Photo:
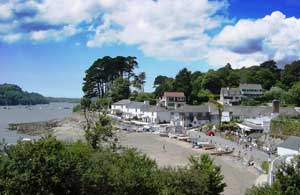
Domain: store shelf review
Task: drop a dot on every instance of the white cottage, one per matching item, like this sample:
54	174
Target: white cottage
289	147
156	114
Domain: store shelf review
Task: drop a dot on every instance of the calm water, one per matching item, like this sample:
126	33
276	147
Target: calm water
16	114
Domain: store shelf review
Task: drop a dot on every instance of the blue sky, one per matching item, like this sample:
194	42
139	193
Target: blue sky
46	45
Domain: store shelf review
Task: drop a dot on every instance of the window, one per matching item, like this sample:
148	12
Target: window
171	99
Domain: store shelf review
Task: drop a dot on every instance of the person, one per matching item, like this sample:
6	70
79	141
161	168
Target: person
164	148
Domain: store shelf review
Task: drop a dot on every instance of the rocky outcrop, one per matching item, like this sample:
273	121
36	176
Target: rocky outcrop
34	128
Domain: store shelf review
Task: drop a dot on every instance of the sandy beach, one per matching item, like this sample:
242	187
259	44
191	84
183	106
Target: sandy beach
238	177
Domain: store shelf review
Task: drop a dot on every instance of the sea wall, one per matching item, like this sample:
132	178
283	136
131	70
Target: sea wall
34	128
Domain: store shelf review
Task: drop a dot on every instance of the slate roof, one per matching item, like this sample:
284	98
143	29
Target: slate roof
190	108
250	86
154	109
292	143
174	94
134	104
122	102
230	91
257	111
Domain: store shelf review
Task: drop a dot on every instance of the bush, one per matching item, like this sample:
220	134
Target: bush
265	166
48	166
77	108
284	126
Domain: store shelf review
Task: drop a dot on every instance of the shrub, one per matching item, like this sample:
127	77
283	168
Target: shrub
77	108
48	166
265	166
284	126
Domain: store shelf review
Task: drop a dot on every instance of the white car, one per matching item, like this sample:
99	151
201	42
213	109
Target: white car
141	129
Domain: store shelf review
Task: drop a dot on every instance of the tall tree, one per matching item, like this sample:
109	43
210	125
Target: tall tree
139	81
120	89
291	74
99	77
295	94
162	84
183	82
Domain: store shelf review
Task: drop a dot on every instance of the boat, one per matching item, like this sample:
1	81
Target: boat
172	135
208	147
220	153
163	134
183	138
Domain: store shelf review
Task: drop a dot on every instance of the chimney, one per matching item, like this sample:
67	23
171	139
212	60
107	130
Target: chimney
275	106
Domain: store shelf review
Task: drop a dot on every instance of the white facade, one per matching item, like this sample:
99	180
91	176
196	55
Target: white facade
121	108
178	119
156	116
284	151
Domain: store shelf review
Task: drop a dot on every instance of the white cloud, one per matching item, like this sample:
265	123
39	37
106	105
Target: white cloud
68	11
273	37
53	34
5	11
165	28
173	29
10	38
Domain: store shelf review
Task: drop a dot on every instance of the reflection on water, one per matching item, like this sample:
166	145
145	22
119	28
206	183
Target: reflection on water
16	114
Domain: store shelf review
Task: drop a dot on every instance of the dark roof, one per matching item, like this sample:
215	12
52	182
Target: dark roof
257	111
134	104
250	86
174	94
122	102
292	143
230	91
154	109
190	108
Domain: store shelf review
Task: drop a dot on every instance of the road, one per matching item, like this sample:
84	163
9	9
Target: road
237	176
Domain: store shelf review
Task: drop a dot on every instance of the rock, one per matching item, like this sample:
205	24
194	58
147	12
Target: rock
34	128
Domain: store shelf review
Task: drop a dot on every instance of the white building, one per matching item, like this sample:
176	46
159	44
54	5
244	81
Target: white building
134	109
120	106
190	116
290	146
156	114
251	90
230	96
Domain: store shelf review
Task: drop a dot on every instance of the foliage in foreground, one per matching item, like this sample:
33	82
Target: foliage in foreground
287	181
48	166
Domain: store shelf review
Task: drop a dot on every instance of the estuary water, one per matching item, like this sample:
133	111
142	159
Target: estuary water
36	113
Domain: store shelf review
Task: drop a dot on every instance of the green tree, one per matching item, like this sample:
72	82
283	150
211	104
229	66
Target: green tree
182	83
120	89
85	104
139	81
99	78
201	178
13	95
291	73
163	84
212	82
266	78
101	132
141	97
295	94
